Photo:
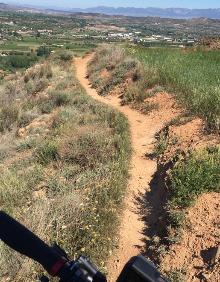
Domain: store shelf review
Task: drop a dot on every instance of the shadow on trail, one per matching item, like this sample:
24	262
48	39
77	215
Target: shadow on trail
151	208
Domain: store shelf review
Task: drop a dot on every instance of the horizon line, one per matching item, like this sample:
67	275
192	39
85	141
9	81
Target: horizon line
106	6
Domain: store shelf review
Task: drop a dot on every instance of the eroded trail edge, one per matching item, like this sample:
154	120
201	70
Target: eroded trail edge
132	239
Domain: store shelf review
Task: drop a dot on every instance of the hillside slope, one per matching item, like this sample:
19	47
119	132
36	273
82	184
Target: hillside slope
186	170
63	162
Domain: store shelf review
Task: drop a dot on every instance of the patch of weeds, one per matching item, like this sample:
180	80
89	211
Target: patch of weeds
19	165
4	153
27	144
41	85
155	90
121	67
60	98
30	87
176	223
12	189
65	56
38	71
64	116
46	107
70	172
180	120
177	275
67	83
27	117
37	131
133	93
161	144
47	153
174	141
8	116
174	235
157	248
190	177
176	217
57	184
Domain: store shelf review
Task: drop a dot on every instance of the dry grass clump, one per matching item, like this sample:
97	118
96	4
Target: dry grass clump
65	181
24	98
38	72
119	68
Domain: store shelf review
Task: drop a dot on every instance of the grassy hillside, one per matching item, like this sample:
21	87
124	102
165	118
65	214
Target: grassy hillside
113	69
63	163
192	75
187	155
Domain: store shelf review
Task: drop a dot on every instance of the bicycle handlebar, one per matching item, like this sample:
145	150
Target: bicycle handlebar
19	238
55	261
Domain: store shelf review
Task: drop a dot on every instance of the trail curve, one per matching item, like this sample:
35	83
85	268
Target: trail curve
143	128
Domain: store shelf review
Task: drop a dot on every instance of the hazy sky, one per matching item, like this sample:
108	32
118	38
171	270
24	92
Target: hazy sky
116	3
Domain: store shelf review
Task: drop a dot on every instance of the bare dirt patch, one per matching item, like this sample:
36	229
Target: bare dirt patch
196	253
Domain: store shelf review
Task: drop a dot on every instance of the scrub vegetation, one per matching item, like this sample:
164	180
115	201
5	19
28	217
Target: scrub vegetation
64	164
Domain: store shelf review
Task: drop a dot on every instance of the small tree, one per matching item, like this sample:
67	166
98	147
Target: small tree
43	51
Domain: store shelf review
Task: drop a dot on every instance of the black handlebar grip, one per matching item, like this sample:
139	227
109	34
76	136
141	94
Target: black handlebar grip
19	238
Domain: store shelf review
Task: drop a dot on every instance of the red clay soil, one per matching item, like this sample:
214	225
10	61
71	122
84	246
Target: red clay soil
200	238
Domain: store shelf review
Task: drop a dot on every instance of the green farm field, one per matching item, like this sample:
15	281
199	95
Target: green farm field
193	75
29	44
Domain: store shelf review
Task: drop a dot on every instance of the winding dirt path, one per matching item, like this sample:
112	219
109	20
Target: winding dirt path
132	239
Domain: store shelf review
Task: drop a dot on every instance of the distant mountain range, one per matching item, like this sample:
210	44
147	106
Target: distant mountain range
175	13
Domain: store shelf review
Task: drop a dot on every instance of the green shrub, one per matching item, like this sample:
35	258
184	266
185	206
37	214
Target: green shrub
43	51
66	56
177	275
60	98
199	173
161	144
26	118
46	107
47	153
8	116
21	61
26	145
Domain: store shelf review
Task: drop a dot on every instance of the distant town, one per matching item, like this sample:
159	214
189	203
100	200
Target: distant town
26	32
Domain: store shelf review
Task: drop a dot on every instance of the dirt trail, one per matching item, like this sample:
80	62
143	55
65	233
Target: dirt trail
143	128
